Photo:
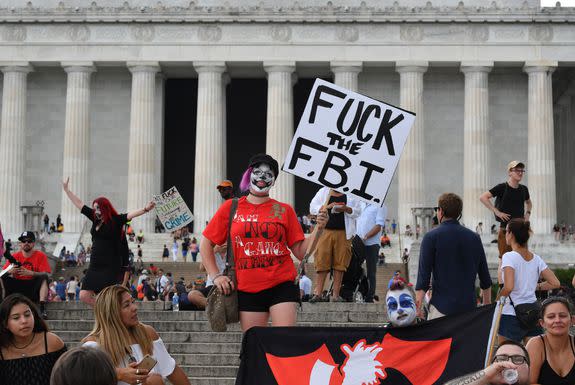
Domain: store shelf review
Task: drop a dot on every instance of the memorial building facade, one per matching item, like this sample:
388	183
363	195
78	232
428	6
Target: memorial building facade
128	99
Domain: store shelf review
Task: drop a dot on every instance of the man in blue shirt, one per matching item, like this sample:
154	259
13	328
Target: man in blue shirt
369	226
454	256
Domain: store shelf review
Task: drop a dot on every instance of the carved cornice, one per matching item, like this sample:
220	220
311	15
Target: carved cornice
291	14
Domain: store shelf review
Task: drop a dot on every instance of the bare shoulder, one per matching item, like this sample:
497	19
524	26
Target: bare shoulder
151	332
55	343
89	338
535	346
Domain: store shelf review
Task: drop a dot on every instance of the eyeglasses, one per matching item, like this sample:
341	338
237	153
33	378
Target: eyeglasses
517	359
436	208
519	170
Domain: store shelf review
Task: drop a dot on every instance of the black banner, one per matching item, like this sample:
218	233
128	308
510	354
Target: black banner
428	353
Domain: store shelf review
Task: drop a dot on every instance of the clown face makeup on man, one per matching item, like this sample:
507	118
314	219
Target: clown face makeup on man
261	179
400	307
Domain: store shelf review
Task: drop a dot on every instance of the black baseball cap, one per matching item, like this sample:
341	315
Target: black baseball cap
27	236
265	158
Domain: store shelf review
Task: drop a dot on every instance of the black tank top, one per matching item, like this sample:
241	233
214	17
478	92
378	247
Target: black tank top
33	370
336	221
548	376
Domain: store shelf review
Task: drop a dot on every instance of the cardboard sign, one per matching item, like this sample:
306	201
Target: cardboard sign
172	210
348	142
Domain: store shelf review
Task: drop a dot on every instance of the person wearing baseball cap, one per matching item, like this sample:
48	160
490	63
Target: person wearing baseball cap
511	201
226	189
30	274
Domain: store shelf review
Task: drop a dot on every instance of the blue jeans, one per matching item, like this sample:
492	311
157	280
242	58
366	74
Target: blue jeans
371	257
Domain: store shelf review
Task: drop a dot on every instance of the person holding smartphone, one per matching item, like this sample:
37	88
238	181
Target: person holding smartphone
137	352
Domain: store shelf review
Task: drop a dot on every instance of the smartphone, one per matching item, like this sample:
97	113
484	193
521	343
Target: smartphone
147	363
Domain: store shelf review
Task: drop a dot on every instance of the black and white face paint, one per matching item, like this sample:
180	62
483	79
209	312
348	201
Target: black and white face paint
97	211
262	179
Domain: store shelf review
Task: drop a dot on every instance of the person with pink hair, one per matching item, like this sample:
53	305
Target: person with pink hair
109	256
263	235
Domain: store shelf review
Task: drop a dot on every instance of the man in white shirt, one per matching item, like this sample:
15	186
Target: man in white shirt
334	246
304	287
369	226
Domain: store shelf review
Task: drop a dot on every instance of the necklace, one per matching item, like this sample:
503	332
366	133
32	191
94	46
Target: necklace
25	346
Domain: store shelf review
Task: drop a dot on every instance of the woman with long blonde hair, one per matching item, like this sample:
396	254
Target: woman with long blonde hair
118	332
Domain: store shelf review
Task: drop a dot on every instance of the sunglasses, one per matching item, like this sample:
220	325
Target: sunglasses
517	359
519	170
27	241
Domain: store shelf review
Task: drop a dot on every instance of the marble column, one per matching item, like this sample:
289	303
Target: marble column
541	147
13	145
76	141
346	74
280	125
142	162
411	166
476	143
210	166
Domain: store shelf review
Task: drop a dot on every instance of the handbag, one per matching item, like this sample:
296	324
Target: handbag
527	313
222	309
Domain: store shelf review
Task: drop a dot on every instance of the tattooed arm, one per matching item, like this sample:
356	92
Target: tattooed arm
491	375
477	378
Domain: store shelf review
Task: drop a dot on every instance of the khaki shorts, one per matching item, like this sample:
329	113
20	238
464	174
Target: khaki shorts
501	243
333	251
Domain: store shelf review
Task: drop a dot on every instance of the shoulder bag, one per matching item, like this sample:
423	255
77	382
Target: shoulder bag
223	309
527	313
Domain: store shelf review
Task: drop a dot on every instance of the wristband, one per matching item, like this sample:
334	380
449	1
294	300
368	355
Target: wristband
146	210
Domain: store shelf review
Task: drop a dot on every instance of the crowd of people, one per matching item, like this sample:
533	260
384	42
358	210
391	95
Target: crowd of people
534	339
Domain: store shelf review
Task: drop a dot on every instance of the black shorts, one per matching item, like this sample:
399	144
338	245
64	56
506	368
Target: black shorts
263	300
29	288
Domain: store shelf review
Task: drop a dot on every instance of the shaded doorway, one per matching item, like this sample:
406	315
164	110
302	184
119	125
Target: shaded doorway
180	110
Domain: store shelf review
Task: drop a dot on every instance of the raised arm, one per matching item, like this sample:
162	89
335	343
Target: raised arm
75	200
489	375
138	212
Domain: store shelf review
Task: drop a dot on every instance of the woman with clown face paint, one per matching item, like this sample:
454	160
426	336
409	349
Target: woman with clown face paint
107	261
264	234
400	300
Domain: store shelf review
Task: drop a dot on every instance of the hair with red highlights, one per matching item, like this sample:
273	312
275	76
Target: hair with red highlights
106	208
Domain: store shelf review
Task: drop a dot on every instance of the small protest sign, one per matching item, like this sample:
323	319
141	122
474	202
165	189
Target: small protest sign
172	210
348	142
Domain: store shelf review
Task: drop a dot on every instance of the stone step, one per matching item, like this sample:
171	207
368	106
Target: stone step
207	359
303	316
320	307
211	371
192	326
212	381
212	348
168	337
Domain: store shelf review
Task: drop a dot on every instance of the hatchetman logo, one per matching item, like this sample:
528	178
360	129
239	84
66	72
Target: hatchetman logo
421	362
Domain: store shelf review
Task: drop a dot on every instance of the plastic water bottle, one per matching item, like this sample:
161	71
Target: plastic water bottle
176	302
510	376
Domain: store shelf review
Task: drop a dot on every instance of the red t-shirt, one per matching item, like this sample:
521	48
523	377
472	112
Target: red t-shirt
261	235
37	262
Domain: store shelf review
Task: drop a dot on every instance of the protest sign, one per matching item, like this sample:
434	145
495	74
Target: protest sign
348	142
172	210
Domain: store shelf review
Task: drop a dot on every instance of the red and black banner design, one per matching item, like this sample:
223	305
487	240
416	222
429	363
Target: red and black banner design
429	353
